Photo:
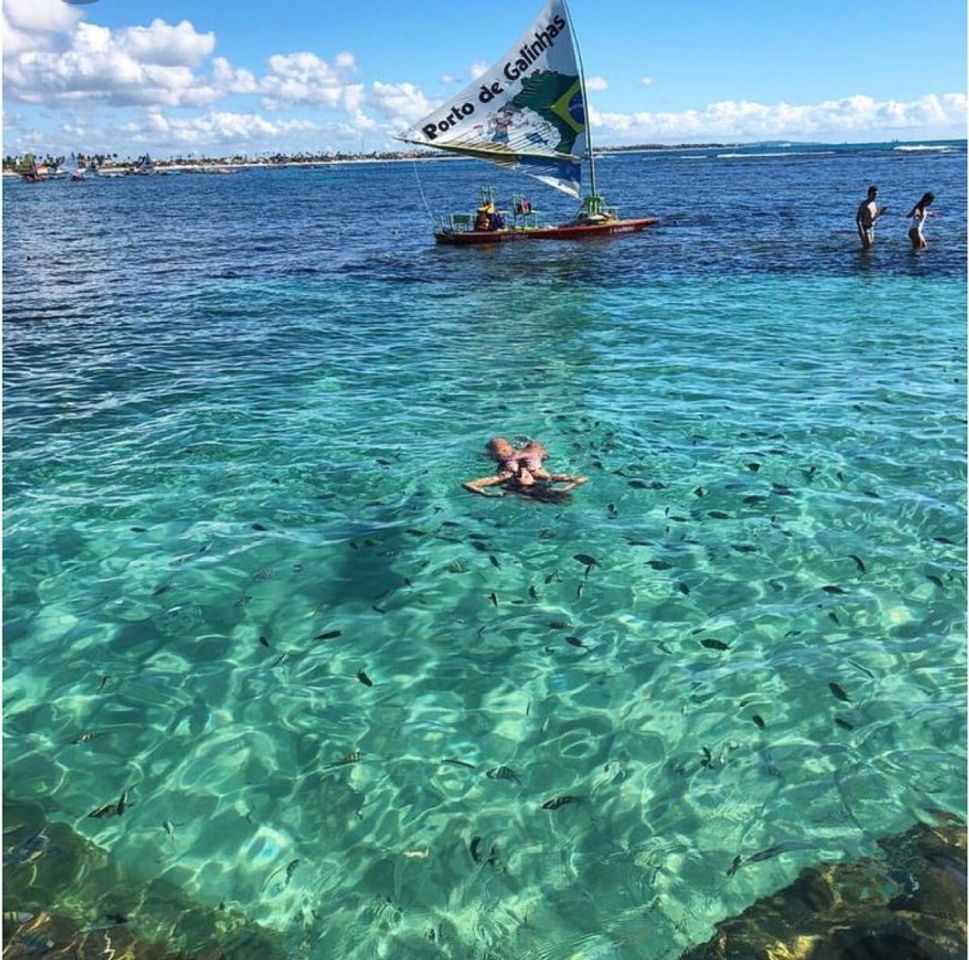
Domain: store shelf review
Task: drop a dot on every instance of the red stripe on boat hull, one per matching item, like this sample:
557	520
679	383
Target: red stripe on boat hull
545	233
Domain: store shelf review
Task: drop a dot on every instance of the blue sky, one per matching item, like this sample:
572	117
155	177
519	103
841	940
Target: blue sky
215	78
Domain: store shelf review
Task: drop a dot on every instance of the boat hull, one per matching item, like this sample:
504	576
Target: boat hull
564	232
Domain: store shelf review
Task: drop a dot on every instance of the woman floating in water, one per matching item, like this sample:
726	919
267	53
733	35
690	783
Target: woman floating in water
522	471
918	213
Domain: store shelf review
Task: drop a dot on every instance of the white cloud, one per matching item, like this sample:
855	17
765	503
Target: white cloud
646	81
401	103
216	128
43	16
849	117
166	45
478	69
447	79
304	78
596	83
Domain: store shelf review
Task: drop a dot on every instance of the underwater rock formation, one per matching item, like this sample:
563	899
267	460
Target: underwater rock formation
910	905
65	896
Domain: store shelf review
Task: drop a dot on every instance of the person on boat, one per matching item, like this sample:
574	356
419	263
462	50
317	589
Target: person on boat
523	472
917	214
866	216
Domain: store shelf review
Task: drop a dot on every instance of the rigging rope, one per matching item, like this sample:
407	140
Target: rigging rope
419	187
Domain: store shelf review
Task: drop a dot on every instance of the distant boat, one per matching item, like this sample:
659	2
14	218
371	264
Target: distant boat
72	167
144	167
528	112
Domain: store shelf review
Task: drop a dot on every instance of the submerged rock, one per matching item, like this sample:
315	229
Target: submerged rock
910	905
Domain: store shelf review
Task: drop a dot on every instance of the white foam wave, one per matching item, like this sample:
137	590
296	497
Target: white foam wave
922	147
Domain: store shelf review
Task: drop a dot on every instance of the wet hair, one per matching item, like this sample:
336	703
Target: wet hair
927	198
543	492
872	189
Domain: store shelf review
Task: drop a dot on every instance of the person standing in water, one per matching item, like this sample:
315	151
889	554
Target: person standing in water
866	216
917	214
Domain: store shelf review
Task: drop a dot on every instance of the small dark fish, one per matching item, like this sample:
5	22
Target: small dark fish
475	844
243	601
699	491
557	802
718	515
458	763
576	642
291	869
781	490
503	773
559	624
744	547
139	529
844	723
493	597
659	564
858	562
329	635
116	918
874	494
833	616
415	531
108	810
259	527
104	681
712	643
683	588
759	720
584	558
831	588
364	679
638	484
31	849
478	545
352	757
532	592
264	641
158	591
839	692
945	540
769	854
87	737
753	466
936	580
495	562
550	577
266	573
707	760
864	670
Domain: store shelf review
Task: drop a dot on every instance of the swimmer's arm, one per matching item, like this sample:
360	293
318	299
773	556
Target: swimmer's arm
571	480
475	486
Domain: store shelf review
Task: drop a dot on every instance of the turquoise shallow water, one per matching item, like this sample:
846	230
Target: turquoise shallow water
216	454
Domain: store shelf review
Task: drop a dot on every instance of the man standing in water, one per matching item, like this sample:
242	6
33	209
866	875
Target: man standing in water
866	216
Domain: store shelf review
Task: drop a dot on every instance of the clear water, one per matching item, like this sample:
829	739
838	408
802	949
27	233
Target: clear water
242	407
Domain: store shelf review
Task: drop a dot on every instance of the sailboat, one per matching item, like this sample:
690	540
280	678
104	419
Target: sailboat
72	167
528	112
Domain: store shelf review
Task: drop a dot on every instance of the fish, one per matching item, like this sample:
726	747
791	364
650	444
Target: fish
475	844
718	514
415	531
31	849
576	642
659	564
859	563
559	624
458	763
532	592
638	484
936	580
683	588
364	679
561	801
769	853
87	737
712	643
170	830
493	597
289	870
699	491
864	670
329	635
503	773
108	810
585	559
744	547
352	757
844	723
781	490
839	692
264	641
759	720
259	527
158	591
945	540
754	499
495	562
753	466
831	588
104	681
550	577
707	760
139	529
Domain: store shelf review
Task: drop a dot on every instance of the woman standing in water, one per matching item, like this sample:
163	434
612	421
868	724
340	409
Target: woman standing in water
918	214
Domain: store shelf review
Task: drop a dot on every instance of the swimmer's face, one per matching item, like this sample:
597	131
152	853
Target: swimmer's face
525	478
500	447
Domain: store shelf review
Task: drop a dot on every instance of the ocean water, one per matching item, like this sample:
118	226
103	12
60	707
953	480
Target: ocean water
237	414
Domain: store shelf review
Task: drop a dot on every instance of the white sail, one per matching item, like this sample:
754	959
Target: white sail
526	112
70	164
